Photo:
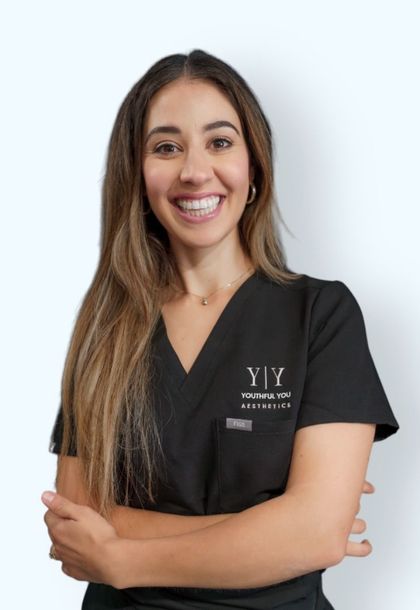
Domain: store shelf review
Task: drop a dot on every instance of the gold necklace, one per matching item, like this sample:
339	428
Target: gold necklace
204	300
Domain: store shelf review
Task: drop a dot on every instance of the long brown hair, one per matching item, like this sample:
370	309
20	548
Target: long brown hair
106	393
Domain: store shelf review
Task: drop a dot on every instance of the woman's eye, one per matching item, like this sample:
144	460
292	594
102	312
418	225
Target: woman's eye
228	142
161	147
167	148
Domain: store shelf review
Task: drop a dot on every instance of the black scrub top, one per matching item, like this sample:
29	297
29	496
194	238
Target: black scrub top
279	357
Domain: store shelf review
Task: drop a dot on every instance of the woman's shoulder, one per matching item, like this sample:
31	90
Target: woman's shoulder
304	282
318	296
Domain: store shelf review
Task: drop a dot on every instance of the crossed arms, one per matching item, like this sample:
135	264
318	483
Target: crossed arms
305	529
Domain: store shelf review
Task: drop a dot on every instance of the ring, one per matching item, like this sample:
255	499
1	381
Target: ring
52	553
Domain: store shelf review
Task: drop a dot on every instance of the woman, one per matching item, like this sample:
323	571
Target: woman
218	410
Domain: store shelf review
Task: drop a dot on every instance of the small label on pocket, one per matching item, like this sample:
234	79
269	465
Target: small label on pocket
240	424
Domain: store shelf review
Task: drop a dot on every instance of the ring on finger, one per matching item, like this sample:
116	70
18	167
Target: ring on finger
52	553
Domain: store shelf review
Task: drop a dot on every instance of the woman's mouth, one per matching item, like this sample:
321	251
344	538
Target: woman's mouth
199	207
198	210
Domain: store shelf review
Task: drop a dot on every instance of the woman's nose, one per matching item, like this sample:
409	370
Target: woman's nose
196	168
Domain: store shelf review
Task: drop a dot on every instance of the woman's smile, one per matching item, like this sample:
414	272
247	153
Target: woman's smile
202	210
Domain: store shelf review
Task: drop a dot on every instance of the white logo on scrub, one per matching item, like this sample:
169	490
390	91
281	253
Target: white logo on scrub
260	379
275	371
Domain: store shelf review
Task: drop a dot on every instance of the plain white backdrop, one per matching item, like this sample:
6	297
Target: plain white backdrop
339	82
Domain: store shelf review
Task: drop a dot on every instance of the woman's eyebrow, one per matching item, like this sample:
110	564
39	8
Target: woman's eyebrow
174	129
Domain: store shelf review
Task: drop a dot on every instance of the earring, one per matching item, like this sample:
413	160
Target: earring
254	194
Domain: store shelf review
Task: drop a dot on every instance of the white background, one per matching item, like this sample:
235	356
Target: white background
339	82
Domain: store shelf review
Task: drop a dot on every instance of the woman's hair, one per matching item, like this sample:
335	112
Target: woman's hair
106	392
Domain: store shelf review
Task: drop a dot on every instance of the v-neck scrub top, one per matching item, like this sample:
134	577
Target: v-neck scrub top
279	357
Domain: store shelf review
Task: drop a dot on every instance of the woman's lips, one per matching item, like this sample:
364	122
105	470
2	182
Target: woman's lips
199	219
194	196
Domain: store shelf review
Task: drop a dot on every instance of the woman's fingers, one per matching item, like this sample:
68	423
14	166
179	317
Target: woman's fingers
358	549
358	527
363	548
368	488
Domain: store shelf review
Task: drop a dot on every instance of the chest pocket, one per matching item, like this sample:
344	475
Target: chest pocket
252	461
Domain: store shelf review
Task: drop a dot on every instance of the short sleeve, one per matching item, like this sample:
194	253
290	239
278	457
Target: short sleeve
341	383
56	438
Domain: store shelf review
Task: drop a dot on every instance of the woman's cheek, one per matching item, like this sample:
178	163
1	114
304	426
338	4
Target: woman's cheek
158	182
236	176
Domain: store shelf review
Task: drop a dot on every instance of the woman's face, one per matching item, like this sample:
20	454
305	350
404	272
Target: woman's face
192	159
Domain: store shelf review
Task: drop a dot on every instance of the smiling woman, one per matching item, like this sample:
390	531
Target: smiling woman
207	456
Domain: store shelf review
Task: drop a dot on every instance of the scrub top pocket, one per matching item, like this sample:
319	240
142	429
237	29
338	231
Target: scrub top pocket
252	460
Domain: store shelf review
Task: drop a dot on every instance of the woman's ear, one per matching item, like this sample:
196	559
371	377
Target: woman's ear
251	173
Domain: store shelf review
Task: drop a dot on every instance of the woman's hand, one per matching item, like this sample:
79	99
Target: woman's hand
363	548
83	540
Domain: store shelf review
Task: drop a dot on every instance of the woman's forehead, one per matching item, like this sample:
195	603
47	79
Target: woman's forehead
187	103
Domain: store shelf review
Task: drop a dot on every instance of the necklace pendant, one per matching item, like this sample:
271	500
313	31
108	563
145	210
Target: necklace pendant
204	301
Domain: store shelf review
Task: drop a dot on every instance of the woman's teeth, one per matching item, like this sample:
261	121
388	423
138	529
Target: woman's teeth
199	207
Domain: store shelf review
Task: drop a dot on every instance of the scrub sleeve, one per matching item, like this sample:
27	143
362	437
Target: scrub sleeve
278	358
342	384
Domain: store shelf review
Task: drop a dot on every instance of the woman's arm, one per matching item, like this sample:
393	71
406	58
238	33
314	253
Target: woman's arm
303	530
136	523
132	523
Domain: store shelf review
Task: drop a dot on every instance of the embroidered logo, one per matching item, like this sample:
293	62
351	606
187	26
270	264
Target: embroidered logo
264	384
254	370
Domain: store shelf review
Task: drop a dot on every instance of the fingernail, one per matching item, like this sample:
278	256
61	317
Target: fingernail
365	540
48	496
